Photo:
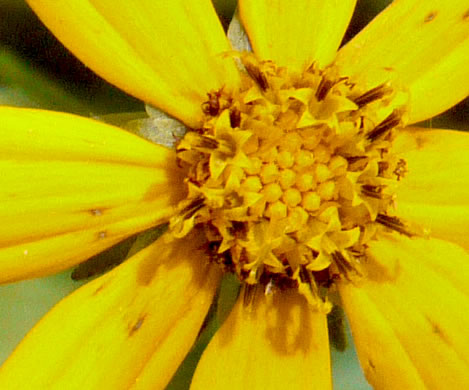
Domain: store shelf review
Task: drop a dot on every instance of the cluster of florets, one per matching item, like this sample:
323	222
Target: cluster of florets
291	176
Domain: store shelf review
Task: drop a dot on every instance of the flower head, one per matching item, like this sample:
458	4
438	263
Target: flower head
295	172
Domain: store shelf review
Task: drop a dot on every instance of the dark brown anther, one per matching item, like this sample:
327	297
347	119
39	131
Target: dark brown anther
362	123
342	264
305	275
373	191
347	268
383	166
326	85
235	117
257	75
356	163
354	159
324	88
393	223
373	94
199	142
341	261
194	206
212	105
393	120
208	142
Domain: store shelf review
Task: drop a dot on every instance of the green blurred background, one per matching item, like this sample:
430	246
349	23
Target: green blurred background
36	71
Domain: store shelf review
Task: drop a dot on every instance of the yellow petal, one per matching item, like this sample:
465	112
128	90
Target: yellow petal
71	187
169	54
296	34
278	343
425	44
410	318
130	328
435	191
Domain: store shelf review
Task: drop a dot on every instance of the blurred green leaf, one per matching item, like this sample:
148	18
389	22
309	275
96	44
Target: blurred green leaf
22	85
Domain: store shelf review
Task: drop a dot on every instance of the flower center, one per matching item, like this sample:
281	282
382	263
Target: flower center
291	176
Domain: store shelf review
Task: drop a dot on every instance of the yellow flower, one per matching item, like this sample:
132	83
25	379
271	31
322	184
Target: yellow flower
296	174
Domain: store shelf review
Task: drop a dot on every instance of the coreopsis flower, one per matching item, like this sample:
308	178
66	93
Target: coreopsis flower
296	171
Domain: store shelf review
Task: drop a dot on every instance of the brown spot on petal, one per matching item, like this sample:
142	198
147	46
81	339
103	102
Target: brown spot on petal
436	329
102	235
430	17
98	290
420	141
96	212
137	325
371	364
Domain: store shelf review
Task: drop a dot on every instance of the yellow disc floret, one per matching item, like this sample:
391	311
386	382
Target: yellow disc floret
292	175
